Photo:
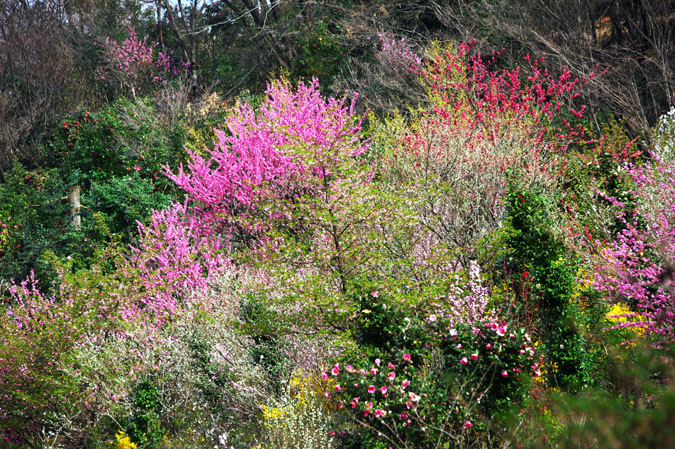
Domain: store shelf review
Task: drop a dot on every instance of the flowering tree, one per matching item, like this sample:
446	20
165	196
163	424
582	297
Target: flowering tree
289	174
135	65
484	126
637	267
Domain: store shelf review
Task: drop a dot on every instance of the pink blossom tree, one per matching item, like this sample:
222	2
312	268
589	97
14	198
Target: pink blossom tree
135	65
288	174
637	267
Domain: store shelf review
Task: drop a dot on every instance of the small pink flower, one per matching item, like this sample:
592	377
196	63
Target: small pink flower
373	371
501	331
505	373
390	365
405	383
463	361
324	376
406	357
383	390
349	369
380	413
378	361
468	425
338	388
453	332
391	376
371	389
137	168
375	293
432	318
335	371
474	356
488	347
459	346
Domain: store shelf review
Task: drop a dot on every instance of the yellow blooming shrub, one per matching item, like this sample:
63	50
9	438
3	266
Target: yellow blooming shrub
122	441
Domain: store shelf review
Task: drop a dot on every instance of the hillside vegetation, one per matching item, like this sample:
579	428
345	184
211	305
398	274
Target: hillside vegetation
337	225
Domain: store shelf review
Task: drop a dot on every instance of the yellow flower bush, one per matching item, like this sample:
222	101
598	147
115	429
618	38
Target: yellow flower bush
122	441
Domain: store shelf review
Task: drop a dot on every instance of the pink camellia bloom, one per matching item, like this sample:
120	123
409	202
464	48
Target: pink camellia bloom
338	388
405	383
324	376
390	365
380	413
459	346
327	395
362	372
335	371
474	356
463	361
537	373
383	390
373	371
406	357
375	293
501	331
488	346
432	318
356	385
403	415
505	373
453	332
391	376
378	361
371	389
349	369
137	168
468	425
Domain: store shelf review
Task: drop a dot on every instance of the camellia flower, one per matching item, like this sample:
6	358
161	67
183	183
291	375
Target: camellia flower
406	357
391	376
380	413
378	361
405	383
375	293
474	356
463	361
453	332
383	390
505	373
390	365
338	388
432	318
335	371
373	371
371	389
324	376
488	346
468	425
501	331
